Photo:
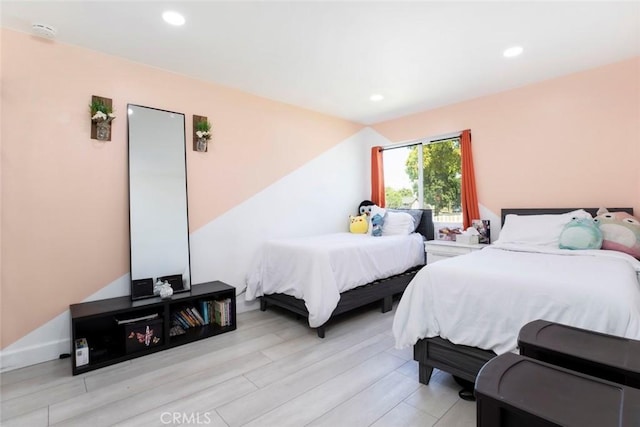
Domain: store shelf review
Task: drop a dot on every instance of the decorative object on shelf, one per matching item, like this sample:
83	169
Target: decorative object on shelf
101	113
163	289
201	133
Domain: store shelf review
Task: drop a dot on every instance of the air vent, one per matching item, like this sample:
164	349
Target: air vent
43	30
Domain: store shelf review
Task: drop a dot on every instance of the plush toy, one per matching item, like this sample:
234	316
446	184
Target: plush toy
358	224
377	220
365	207
581	233
620	231
375	214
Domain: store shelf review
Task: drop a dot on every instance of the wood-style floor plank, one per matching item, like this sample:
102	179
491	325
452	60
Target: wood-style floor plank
272	371
319	351
461	414
329	394
199	405
369	405
267	398
438	397
22	405
199	359
404	415
159	377
37	418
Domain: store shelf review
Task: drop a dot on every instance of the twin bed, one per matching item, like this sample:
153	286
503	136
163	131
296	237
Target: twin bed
460	312
321	277
481	300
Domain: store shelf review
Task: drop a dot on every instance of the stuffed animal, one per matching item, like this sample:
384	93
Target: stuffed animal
377	220
620	231
365	207
375	214
358	224
581	233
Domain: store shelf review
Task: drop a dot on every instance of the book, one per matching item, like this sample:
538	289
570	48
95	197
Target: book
186	316
198	316
177	318
219	312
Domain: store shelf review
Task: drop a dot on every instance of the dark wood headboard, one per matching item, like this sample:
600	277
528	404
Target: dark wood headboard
426	224
542	211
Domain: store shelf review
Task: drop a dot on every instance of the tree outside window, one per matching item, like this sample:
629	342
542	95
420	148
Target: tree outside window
441	178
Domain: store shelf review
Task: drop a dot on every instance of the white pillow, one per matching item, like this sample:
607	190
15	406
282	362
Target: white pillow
543	230
397	223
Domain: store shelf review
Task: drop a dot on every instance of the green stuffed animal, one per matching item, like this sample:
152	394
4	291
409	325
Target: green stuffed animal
581	233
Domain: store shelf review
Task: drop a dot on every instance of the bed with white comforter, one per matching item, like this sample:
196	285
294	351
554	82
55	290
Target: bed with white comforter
483	299
317	269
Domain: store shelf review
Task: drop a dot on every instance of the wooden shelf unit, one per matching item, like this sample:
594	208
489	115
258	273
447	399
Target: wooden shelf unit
96	322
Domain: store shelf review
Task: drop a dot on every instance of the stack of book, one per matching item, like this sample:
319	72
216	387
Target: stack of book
206	313
222	311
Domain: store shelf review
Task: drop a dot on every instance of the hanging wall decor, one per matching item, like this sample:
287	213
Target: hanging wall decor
201	133
101	113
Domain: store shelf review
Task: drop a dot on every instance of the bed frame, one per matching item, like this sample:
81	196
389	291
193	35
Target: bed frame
459	360
381	290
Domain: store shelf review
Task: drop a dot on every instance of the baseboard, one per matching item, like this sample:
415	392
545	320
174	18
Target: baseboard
25	356
243	305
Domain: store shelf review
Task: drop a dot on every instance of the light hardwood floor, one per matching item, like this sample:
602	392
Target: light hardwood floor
272	371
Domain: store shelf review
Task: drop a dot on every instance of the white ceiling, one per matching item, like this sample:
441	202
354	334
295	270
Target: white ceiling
331	56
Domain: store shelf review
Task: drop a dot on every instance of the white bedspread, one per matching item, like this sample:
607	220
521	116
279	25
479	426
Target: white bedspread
483	299
316	269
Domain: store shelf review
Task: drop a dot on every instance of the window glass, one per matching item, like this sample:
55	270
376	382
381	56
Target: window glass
426	175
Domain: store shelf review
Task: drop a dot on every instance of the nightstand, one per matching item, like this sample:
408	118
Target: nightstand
442	249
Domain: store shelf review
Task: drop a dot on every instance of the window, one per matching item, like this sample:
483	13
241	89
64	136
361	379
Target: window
426	174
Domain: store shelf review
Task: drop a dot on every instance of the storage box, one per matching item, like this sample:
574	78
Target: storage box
143	334
609	357
515	391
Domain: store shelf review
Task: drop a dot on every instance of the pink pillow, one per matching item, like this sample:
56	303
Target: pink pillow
620	231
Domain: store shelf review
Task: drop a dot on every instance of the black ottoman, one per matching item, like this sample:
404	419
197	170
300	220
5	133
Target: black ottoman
604	356
516	391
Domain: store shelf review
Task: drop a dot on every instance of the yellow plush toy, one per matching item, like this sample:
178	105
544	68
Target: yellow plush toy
358	224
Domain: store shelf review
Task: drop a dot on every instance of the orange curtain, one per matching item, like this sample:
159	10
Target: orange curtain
377	177
469	196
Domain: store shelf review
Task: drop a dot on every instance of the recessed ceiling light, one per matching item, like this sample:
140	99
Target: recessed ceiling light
512	52
173	18
376	97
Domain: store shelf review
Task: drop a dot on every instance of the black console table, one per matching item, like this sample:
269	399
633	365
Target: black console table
119	329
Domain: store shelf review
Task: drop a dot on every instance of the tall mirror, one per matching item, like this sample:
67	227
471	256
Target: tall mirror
158	218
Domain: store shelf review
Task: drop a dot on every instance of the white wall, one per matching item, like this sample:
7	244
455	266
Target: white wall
315	199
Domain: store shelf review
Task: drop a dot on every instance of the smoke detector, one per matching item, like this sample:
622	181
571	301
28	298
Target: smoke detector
44	30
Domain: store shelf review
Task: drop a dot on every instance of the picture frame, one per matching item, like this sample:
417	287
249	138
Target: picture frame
484	228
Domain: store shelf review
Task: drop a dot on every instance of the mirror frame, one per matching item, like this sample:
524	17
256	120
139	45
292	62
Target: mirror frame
143	288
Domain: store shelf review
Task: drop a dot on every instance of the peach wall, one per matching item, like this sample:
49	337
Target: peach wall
570	141
64	196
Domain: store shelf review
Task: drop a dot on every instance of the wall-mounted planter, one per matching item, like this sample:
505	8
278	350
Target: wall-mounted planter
201	143
101	130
